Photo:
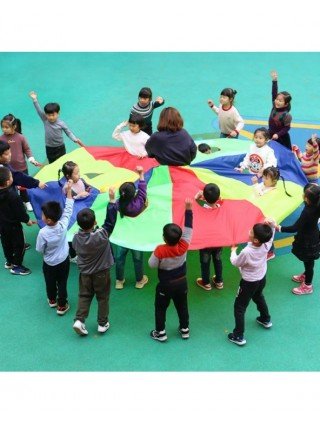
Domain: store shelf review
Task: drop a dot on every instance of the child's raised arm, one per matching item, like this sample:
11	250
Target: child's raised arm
40	112
117	131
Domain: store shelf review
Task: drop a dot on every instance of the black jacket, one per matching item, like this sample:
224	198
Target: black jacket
12	210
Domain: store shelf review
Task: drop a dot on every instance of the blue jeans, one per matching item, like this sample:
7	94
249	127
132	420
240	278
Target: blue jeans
205	258
137	257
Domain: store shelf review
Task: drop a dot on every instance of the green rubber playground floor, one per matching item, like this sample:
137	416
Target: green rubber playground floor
96	91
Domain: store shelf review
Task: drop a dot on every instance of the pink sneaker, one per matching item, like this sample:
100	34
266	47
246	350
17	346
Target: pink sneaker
270	255
303	289
300	278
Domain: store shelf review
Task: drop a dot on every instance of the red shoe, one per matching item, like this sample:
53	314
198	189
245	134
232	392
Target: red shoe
52	303
303	289
217	285
270	255
300	278
61	310
205	286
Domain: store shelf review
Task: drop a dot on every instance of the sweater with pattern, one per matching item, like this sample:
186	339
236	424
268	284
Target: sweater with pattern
171	260
279	119
309	162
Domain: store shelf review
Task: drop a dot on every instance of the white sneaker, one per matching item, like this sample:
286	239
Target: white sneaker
80	328
142	282
119	284
104	328
28	206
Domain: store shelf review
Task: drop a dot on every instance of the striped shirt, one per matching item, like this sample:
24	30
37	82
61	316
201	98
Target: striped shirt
309	162
171	260
146	112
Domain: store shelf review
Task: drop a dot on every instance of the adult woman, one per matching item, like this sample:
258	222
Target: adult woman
171	144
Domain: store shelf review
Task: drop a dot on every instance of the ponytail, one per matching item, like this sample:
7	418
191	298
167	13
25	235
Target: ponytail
127	192
59	178
13	122
284	186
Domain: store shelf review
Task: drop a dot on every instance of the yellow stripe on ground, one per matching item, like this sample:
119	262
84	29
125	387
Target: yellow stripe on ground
281	243
294	125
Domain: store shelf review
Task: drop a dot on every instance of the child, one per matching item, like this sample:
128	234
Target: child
145	107
19	178
12	213
134	139
52	243
309	159
211	197
204	148
252	263
261	156
129	204
306	241
53	127
94	261
230	121
79	189
12	134
280	119
170	259
270	178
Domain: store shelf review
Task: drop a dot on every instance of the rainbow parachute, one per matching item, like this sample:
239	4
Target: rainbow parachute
167	188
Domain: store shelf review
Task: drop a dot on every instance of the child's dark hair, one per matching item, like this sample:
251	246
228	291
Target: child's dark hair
145	93
230	93
13	122
274	174
211	193
136	119
310	142
262	232
4	175
51	108
287	99
264	131
86	218
203	147
66	170
312	193
172	233
52	210
4	146
127	192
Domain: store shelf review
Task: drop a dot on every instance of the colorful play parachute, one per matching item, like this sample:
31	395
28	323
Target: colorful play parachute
169	186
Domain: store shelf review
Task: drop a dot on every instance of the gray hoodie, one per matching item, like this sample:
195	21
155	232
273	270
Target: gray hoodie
93	250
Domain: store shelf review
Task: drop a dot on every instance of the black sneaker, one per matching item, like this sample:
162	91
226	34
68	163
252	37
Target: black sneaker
20	270
184	332
236	339
27	246
159	336
265	323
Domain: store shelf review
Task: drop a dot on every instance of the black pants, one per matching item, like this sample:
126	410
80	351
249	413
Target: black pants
308	271
23	193
56	278
72	252
90	285
54	153
12	240
249	291
285	141
177	291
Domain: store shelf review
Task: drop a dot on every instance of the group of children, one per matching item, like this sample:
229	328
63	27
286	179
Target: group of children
92	250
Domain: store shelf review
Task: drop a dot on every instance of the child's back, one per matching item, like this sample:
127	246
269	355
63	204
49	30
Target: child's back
93	250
